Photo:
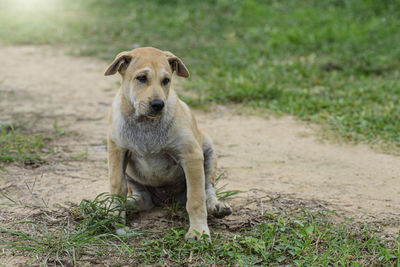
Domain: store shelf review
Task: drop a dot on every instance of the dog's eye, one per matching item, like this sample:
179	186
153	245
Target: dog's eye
165	81
142	78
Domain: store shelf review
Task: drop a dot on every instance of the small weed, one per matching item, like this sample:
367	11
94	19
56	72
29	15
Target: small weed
102	206
60	130
18	144
81	155
223	194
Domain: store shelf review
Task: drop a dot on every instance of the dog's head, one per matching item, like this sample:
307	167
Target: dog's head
146	78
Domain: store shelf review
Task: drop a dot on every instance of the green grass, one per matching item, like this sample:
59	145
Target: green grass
334	62
20	142
307	240
89	230
220	191
17	144
303	239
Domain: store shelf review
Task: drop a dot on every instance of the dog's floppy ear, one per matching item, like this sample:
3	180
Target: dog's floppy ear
120	64
177	65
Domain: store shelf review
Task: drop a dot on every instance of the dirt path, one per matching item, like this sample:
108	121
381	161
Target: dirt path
276	155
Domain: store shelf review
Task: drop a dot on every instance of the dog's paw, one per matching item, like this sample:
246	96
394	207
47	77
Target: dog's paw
218	209
139	202
198	233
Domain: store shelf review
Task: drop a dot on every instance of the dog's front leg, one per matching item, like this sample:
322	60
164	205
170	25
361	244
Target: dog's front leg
116	169
193	166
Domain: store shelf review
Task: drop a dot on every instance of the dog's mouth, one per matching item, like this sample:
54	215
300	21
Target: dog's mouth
149	116
153	115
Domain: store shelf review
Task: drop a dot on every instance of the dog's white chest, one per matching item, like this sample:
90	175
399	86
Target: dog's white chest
148	143
142	138
155	169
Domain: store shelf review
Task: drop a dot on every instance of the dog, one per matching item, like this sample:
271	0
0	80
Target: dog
156	152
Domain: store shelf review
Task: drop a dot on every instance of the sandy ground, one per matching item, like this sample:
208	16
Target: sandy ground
279	156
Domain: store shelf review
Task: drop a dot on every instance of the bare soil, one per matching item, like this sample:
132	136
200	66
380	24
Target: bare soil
266	158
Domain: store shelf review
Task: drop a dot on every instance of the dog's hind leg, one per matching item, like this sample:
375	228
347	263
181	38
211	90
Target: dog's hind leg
214	206
139	198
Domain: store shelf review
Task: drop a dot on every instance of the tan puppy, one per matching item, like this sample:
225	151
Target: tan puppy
155	150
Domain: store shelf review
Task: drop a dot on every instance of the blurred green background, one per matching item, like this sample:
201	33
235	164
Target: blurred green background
332	62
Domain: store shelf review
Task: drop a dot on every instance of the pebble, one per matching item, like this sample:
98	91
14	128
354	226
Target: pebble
126	232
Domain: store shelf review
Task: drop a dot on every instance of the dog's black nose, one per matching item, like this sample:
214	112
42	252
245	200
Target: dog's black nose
157	105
